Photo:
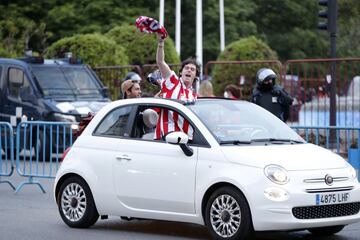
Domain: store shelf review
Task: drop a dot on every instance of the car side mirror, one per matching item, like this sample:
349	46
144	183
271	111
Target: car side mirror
105	92
181	139
26	95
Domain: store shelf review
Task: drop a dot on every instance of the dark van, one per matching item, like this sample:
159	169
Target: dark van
33	88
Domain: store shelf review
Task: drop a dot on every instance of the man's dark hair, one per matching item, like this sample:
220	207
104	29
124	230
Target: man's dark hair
191	60
235	90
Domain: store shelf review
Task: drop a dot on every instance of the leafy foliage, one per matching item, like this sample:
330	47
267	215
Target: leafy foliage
348	28
288	26
94	49
245	49
141	47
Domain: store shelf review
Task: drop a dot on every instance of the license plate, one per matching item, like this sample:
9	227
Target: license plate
332	198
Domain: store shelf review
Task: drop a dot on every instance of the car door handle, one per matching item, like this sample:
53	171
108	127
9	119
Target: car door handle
123	157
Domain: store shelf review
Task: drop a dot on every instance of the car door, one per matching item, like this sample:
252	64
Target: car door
14	105
152	175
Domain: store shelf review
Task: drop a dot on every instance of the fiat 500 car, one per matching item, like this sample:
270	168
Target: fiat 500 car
226	164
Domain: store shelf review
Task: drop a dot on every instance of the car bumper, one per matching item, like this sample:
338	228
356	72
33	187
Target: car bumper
270	216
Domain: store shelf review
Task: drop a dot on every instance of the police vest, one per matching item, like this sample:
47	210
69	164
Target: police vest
270	103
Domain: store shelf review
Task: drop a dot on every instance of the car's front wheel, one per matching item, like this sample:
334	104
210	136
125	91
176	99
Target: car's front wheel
76	204
326	231
228	215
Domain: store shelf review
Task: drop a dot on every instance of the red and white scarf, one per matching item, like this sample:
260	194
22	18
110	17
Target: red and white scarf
150	25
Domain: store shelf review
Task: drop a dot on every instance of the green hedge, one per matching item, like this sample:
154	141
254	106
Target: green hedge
244	49
93	49
141	47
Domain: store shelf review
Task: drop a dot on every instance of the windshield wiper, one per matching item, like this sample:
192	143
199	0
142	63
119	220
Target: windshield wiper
282	140
235	142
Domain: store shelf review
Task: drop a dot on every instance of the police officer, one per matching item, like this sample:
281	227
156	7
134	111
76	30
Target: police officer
271	96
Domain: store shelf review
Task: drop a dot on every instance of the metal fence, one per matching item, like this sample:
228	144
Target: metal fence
346	142
240	73
345	137
113	76
307	80
39	146
6	152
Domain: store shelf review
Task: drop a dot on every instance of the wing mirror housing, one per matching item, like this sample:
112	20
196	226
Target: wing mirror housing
181	139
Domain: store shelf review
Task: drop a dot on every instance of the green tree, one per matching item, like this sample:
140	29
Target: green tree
141	47
287	26
237	25
290	28
348	37
244	49
21	26
94	49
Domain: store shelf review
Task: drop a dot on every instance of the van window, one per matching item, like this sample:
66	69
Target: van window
67	81
16	80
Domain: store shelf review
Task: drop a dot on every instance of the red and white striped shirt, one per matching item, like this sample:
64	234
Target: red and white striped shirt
169	121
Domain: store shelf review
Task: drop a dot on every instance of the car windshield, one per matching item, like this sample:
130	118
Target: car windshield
67	82
240	122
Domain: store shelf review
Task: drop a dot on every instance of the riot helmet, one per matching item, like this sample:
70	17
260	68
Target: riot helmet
265	74
132	76
154	78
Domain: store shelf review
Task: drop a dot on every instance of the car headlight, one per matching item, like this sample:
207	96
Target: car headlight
352	172
66	118
276	174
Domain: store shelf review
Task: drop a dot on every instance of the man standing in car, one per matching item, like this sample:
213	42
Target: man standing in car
270	95
175	87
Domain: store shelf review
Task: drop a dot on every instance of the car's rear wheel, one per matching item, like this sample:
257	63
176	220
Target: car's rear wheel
326	231
76	204
228	215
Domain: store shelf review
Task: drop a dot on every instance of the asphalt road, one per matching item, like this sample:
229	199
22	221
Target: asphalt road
30	214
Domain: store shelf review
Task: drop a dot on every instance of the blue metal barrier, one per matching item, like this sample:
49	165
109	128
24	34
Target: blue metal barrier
40	142
347	141
320	135
6	152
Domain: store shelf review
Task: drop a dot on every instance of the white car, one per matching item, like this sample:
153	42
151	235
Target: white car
240	170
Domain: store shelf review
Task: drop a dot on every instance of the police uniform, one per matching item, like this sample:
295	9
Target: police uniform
271	96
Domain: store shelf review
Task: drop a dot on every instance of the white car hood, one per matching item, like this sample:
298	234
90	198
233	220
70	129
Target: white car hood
291	157
80	107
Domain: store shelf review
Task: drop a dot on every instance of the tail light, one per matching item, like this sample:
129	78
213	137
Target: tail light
83	124
64	154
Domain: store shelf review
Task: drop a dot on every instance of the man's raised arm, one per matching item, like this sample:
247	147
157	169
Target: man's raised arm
160	59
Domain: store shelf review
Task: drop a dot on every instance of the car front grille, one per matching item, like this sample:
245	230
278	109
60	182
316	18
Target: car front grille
326	211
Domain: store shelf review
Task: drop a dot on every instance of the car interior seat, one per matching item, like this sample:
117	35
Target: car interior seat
150	119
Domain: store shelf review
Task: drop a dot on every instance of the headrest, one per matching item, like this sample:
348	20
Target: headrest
150	118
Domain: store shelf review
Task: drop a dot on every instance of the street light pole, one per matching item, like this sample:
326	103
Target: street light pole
161	12
199	32
222	25
332	31
178	27
331	15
